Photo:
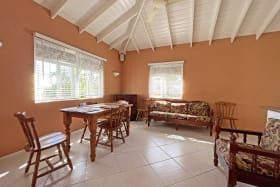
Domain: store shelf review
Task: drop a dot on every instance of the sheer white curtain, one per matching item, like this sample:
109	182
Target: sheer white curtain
63	72
166	80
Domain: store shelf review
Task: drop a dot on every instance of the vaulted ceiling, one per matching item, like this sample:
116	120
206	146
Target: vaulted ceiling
128	25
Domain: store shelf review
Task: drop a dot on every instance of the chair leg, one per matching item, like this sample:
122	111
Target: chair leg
69	162
29	161
111	139
215	156
99	133
36	168
59	152
123	140
85	129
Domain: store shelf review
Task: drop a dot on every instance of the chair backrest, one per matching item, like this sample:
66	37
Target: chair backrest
225	109
116	116
29	129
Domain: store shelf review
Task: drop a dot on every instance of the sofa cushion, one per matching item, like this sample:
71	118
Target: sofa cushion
198	108
198	118
271	135
244	161
179	108
162	106
160	114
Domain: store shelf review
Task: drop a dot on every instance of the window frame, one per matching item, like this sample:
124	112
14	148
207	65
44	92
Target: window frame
161	65
76	69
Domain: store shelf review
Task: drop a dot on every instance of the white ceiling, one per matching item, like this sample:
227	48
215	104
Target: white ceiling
129	25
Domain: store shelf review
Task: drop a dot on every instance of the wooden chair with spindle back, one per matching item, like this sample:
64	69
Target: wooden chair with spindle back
36	144
114	124
225	112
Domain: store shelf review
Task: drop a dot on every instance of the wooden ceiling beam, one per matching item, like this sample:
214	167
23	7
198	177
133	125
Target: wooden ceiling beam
243	13
133	41
59	6
135	23
192	14
92	15
124	36
169	27
268	19
121	20
214	20
147	33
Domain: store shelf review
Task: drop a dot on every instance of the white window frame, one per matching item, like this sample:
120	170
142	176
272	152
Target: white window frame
81	61
164	92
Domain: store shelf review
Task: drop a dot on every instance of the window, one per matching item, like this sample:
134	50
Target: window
63	72
166	80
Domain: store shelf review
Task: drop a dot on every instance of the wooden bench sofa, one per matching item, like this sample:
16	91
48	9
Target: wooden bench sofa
179	112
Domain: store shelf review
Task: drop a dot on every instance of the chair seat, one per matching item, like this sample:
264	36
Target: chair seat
51	139
265	165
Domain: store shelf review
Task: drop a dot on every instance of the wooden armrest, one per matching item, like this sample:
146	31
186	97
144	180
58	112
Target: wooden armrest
256	151
242	131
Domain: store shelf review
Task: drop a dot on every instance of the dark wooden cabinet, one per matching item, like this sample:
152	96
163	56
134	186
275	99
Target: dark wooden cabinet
132	99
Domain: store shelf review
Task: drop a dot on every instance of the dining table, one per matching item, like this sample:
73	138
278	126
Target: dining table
91	113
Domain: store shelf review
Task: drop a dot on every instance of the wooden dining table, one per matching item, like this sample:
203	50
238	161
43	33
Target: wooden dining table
91	113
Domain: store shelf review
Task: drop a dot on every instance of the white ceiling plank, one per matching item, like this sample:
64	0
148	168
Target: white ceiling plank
121	20
135	23
214	21
243	14
59	6
169	28
268	19
95	15
147	33
192	14
135	45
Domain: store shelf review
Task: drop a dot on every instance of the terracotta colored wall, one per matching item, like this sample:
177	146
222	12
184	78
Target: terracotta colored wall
245	72
19	19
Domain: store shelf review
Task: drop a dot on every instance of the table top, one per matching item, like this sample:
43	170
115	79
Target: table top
92	109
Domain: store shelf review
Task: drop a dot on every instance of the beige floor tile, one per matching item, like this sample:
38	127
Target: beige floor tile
170	171
131	160
154	154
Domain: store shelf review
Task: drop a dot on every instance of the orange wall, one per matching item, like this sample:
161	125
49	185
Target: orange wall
245	72
19	19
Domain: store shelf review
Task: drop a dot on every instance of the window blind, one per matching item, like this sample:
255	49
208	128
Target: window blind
166	80
63	72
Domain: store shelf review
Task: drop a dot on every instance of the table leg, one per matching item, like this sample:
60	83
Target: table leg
128	113
92	127
67	122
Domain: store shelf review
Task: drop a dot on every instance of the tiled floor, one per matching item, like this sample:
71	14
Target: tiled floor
154	156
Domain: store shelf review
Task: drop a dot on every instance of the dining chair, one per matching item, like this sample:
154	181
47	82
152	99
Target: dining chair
36	144
225	113
111	126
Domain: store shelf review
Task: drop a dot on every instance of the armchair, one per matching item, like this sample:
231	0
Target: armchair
253	164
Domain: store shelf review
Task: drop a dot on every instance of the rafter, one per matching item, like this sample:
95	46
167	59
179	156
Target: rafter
242	15
121	20
118	40
135	23
268	19
133	41
147	33
169	28
92	15
192	14
214	21
124	36
59	6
